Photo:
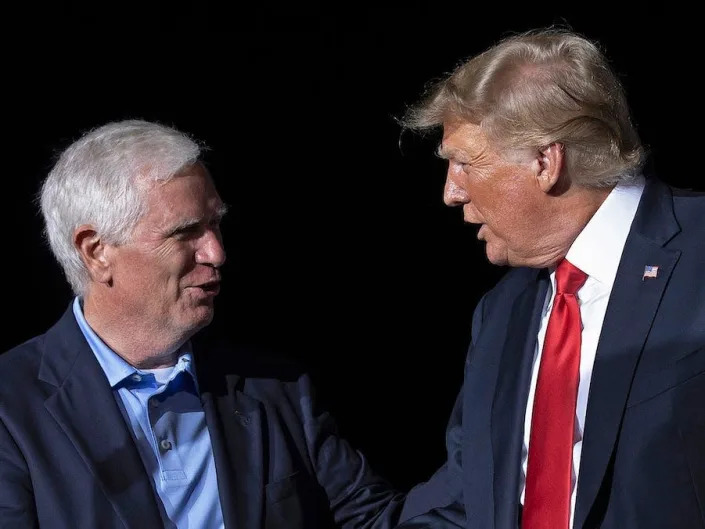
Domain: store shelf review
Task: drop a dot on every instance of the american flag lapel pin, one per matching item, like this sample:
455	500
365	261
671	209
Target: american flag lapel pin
650	271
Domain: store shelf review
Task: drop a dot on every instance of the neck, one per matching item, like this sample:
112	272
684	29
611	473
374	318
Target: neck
563	222
140	346
574	213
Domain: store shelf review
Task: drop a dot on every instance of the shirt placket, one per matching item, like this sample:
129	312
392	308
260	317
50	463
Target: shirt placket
162	436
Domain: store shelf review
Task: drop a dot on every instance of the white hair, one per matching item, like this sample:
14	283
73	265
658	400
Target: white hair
95	182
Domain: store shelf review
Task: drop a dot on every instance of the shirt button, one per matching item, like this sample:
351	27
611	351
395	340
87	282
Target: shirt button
137	377
165	444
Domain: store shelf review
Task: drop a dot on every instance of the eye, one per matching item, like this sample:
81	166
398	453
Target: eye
464	166
187	232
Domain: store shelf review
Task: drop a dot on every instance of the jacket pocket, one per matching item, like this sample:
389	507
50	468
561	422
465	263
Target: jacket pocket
290	503
653	382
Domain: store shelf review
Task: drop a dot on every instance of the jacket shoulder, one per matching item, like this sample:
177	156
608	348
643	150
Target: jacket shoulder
259	371
19	368
513	282
689	209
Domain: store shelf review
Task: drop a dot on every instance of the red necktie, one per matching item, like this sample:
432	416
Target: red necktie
549	468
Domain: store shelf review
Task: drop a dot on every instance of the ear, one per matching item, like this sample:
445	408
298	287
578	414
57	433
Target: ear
550	162
93	253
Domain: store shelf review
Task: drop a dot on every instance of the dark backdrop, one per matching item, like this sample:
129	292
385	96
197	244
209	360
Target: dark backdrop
340	251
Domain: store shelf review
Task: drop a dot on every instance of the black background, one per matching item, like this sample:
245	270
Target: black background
340	251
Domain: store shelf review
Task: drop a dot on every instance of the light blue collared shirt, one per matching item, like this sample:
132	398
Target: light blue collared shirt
169	427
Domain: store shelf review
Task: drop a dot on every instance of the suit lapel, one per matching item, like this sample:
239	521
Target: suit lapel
510	398
632	307
85	409
235	426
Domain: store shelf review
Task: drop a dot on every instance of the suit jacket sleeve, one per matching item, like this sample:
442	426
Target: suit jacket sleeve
439	501
357	497
16	497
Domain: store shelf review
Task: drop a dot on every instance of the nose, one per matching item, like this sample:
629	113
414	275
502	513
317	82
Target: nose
453	193
211	251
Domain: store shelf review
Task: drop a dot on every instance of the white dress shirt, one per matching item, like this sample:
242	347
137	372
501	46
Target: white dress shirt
597	252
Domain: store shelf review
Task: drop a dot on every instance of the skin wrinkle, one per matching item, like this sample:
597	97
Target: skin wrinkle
529	210
164	279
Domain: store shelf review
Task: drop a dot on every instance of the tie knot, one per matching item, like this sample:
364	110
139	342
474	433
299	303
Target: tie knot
569	278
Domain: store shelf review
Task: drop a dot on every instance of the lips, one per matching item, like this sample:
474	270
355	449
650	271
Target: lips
209	287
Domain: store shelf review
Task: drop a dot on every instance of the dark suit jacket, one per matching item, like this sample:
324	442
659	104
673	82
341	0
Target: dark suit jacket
643	455
68	459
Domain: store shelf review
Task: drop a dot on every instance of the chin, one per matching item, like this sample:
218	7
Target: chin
198	318
497	257
206	318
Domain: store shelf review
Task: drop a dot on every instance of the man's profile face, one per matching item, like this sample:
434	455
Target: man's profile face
502	195
167	274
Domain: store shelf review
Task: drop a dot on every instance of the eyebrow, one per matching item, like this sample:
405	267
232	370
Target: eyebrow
221	212
186	224
449	152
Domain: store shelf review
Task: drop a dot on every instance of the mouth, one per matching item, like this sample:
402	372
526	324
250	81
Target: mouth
211	287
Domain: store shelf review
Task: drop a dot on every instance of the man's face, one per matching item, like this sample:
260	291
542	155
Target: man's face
499	193
168	274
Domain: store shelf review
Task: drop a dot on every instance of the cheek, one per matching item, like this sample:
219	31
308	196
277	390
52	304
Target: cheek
491	208
176	262
512	208
135	270
165	277
480	195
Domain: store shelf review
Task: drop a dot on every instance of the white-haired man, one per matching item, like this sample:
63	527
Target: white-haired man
115	417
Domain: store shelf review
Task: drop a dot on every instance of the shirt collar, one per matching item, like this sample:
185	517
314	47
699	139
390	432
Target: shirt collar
598	248
115	367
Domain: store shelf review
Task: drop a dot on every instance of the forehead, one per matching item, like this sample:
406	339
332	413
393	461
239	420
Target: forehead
190	192
463	137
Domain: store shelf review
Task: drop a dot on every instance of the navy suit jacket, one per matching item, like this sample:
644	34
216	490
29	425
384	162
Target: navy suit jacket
68	459
643	455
